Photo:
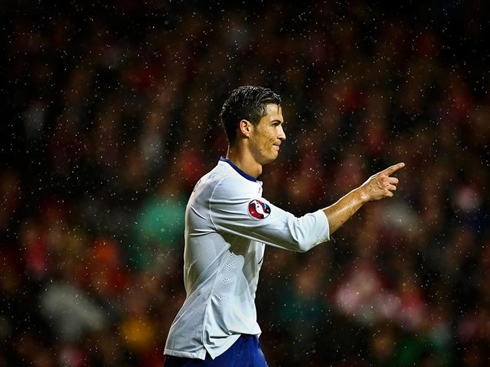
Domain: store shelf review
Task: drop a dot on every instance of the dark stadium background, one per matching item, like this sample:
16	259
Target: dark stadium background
110	114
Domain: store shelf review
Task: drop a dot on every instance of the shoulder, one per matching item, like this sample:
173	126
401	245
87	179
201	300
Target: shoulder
236	189
236	185
222	183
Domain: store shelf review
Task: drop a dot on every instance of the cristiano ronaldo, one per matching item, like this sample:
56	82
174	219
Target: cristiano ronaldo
228	224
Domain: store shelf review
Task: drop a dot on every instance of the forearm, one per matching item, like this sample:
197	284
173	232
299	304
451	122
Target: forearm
338	213
377	187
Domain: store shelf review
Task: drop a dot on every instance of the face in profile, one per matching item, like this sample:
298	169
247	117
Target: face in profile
265	138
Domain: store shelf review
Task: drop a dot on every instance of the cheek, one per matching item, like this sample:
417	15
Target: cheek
271	136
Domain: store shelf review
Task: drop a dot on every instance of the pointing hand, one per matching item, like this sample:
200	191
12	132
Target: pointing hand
381	185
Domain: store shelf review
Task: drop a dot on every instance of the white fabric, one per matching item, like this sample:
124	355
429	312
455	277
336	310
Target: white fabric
224	249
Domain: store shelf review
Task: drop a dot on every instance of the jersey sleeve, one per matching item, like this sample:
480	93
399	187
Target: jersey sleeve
237	211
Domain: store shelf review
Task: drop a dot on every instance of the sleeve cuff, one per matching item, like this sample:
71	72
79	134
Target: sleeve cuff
324	233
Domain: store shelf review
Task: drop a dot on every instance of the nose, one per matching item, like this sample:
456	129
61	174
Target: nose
282	134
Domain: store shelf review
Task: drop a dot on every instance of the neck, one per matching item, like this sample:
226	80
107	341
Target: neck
244	160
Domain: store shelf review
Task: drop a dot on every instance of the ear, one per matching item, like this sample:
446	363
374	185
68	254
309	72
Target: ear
245	127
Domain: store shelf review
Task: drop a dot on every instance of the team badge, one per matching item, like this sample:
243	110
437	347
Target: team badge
258	209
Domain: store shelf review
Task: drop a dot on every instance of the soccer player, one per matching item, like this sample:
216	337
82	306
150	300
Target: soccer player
227	225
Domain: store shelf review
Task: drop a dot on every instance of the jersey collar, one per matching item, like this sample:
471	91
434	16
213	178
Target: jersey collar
247	176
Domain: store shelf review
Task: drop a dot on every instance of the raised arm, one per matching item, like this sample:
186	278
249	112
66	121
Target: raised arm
377	187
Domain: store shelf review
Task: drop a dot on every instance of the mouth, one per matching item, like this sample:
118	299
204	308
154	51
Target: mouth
276	147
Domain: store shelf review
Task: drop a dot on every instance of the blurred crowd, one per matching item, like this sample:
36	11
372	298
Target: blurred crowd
112	115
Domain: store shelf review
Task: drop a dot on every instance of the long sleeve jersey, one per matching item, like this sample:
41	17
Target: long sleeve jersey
227	225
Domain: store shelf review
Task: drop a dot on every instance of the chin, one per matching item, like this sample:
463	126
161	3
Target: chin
271	158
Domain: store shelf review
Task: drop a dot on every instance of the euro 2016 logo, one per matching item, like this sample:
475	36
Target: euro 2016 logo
258	209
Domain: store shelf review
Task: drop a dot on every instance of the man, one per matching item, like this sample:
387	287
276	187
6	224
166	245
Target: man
228	224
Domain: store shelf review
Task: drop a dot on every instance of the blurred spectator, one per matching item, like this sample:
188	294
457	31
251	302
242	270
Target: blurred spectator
160	226
70	312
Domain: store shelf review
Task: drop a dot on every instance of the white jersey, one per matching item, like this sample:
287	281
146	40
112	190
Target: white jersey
227	225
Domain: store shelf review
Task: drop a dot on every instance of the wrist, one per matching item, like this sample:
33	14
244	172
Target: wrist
362	195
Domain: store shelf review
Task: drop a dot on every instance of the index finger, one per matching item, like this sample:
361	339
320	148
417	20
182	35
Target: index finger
392	169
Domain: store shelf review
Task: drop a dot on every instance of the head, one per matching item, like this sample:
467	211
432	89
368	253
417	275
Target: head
253	115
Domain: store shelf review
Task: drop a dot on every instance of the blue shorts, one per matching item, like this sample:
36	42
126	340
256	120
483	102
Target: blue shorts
244	353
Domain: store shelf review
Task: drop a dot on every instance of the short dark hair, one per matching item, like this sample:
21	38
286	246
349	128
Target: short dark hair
246	103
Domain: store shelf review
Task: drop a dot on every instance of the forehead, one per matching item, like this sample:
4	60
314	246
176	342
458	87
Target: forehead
273	112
